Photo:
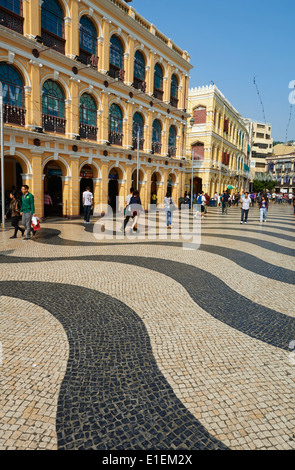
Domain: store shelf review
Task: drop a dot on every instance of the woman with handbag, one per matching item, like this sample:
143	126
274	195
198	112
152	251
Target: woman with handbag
14	210
169	206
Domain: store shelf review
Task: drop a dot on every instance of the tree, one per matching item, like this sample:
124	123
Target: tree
260	184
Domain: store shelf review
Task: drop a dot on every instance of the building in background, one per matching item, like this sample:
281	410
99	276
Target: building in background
262	146
282	169
218	143
83	86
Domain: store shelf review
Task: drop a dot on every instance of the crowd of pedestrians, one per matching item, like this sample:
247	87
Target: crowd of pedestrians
21	208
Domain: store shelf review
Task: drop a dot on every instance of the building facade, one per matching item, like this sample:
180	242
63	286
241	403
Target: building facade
282	169
86	84
262	146
218	143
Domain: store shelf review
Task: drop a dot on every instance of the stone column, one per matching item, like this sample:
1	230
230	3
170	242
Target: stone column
36	183
104	61
74	189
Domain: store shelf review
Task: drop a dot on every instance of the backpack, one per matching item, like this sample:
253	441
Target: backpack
199	200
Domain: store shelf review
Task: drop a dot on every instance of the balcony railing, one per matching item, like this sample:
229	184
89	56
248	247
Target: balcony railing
86	131
156	147
11	20
134	143
139	84
54	124
50	40
172	151
115	72
115	138
158	94
174	101
14	115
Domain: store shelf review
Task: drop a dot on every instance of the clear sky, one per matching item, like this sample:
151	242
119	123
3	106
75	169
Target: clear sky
230	42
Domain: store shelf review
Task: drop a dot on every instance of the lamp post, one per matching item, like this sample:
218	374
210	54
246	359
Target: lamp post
137	156
2	158
192	122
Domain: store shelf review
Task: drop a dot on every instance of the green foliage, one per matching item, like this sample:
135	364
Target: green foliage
262	184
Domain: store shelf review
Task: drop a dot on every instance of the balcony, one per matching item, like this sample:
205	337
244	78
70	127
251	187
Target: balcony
139	84
172	151
156	147
11	20
54	124
134	143
115	138
174	102
13	115
158	94
50	40
87	131
116	72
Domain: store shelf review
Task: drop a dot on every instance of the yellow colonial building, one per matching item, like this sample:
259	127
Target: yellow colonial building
218	143
86	84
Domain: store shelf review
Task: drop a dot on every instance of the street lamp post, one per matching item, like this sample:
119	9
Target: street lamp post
2	158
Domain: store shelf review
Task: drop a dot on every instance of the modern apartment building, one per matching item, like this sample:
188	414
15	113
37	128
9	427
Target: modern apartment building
86	83
262	146
218	143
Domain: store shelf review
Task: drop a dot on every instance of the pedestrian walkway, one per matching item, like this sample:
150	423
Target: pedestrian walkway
134	343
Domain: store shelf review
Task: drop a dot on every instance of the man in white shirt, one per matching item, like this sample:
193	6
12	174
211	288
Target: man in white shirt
87	199
246	203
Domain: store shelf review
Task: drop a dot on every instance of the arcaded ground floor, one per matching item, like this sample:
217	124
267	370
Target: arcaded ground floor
141	344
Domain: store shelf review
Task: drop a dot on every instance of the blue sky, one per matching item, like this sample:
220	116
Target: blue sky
230	42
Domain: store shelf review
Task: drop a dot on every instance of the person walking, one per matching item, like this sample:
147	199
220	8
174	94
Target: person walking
263	206
169	207
128	210
47	204
135	203
87	199
246	203
27	211
14	211
225	198
154	198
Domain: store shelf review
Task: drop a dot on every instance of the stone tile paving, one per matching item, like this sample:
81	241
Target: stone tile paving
214	350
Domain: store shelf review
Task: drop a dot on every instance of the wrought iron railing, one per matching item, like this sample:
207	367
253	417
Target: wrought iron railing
156	147
52	40
115	138
174	101
11	20
158	94
134	143
172	151
54	124
13	115
86	131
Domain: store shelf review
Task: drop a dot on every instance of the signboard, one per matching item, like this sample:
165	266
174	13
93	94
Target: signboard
54	172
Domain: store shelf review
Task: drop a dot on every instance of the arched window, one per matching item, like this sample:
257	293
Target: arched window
115	124
198	151
138	124
156	136
87	40
116	58
200	115
172	141
87	117
174	91
139	71
13	94
52	25
11	14
53	107
158	82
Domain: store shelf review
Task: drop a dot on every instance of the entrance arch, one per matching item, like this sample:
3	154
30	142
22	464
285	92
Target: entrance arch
171	181
156	179
53	185
13	180
197	185
115	186
86	180
134	178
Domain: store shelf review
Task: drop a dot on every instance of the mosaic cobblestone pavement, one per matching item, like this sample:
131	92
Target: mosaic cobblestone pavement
141	344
